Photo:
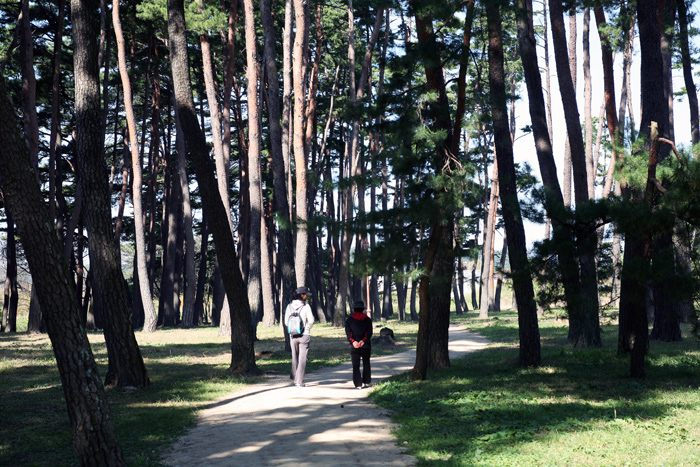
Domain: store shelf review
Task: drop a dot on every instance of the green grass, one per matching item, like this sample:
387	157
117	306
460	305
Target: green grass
579	409
187	369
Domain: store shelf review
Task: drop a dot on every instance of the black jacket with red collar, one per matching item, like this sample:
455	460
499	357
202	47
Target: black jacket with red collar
358	327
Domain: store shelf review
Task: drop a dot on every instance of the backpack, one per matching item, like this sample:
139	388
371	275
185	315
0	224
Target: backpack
296	324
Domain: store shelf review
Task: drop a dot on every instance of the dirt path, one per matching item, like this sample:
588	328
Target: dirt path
326	423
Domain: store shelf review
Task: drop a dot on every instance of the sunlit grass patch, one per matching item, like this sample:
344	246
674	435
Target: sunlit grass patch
579	408
188	370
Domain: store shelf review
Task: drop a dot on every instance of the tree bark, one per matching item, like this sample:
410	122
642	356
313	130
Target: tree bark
136	177
522	281
126	366
285	238
10	297
301	40
633	331
587	98
434	289
242	351
254	284
585	328
688	72
92	428
486	255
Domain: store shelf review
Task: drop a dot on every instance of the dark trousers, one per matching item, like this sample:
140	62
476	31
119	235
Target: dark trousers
355	355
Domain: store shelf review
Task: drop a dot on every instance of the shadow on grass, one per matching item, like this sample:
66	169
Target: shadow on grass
484	408
188	369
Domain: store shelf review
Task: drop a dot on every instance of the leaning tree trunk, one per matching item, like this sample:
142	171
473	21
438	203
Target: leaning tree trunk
517	246
92	428
555	200
136	178
585	326
242	350
126	366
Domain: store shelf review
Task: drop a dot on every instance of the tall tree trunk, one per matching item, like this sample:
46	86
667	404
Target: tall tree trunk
633	329
10	297
587	102
568	166
285	238
522	282
31	125
690	88
486	255
254	178
126	366
554	201
169	303
202	276
189	296
356	94
92	428
301	40
585	328
136	177
242	351
222	144
287	87
55	136
434	291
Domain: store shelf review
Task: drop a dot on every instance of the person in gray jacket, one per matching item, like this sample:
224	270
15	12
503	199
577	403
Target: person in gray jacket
299	342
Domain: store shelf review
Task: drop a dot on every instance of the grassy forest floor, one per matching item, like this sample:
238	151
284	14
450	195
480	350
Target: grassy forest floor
579	408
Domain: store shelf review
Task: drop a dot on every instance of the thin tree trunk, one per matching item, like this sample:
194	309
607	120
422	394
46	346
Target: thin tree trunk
137	180
189	296
301	40
202	277
169	303
10	297
31	124
486	255
287	87
587	102
55	136
254	285
285	238
688	72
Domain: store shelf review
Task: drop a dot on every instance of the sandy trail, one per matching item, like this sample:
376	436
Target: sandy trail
326	423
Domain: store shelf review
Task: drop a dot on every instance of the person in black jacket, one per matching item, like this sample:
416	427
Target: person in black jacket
358	328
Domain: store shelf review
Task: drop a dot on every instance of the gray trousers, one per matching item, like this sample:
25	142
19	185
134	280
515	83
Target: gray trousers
300	348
